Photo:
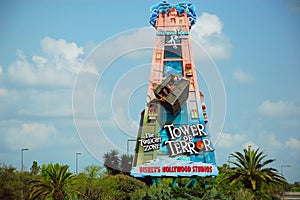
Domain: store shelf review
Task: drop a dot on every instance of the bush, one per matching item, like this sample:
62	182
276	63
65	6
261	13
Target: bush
244	194
214	194
121	187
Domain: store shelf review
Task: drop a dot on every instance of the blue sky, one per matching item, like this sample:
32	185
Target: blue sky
254	46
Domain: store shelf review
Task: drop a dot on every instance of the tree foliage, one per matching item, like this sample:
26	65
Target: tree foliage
126	162
93	171
121	187
55	182
251	170
112	162
10	183
295	187
88	183
115	164
35	168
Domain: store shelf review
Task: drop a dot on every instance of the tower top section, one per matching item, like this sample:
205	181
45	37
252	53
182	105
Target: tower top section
165	7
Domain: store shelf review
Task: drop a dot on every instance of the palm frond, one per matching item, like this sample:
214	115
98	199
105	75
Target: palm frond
250	169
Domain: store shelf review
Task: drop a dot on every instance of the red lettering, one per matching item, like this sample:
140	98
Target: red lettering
207	169
149	169
170	169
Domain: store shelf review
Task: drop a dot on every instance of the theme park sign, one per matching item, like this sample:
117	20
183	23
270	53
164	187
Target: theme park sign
181	139
150	143
173	139
174	168
161	33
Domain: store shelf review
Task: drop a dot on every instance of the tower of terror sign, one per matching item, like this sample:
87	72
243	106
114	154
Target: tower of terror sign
173	138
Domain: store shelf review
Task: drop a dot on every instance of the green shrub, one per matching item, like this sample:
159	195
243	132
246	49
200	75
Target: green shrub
121	187
215	194
244	194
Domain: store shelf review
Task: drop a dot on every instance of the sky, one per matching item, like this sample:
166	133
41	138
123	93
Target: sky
74	75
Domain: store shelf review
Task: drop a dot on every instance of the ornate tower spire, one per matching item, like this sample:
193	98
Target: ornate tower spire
173	138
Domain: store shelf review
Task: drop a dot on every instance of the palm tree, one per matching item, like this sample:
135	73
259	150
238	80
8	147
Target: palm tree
89	181
126	162
112	162
250	170
55	182
93	171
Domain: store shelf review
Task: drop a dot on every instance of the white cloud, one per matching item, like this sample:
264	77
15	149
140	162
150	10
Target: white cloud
26	74
21	55
39	60
31	135
293	143
208	31
270	139
208	24
1	69
47	104
274	141
100	136
134	43
36	103
124	122
55	66
90	68
63	54
228	140
61	47
278	108
243	77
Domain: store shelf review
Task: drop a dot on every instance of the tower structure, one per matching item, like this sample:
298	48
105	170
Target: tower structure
173	139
